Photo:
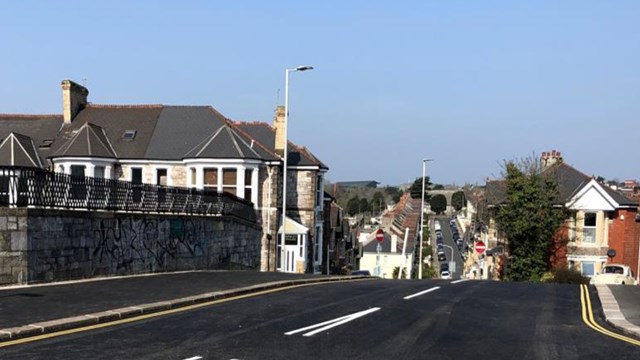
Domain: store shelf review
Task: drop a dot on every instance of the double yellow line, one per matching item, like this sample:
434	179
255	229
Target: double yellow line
587	317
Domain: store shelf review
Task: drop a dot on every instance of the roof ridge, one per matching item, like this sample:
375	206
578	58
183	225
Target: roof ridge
124	106
30	116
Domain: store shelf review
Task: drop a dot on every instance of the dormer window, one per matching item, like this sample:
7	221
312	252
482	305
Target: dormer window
129	135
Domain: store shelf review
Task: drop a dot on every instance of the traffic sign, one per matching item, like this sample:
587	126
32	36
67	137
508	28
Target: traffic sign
379	235
480	247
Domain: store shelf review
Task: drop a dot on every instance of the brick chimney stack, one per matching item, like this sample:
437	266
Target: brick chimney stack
279	126
549	158
74	99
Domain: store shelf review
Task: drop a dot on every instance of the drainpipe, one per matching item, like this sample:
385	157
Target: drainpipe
270	172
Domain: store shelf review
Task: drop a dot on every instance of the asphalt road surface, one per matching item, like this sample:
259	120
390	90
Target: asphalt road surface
371	319
451	248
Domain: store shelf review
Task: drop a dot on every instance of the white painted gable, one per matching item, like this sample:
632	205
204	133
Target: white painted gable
294	227
592	197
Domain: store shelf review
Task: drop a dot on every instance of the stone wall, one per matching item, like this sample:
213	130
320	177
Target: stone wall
40	245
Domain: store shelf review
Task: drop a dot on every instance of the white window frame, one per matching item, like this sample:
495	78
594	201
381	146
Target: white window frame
155	174
592	263
585	227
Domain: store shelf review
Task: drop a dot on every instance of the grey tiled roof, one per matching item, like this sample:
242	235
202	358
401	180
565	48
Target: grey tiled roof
180	128
265	135
161	133
115	120
89	140
36	127
19	150
569	181
223	143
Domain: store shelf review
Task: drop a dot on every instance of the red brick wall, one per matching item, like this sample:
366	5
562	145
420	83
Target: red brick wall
558	258
624	236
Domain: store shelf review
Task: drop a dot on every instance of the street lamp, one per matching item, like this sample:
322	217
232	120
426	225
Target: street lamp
424	165
284	166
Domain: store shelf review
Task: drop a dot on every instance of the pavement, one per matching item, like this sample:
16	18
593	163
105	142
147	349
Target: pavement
38	309
621	307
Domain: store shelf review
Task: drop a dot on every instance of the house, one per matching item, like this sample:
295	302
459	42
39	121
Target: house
389	257
182	146
400	223
599	219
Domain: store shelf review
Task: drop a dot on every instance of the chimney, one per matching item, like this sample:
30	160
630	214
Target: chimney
549	158
74	99
279	126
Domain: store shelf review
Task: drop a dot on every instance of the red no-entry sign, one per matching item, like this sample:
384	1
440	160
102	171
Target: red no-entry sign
379	235
480	247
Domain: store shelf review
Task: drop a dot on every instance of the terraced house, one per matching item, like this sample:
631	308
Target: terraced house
182	146
600	219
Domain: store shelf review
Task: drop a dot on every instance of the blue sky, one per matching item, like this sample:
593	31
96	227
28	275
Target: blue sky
467	83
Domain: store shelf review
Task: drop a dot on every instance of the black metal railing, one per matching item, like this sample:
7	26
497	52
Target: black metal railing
33	187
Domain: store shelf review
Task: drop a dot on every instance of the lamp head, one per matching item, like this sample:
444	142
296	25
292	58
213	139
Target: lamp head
304	68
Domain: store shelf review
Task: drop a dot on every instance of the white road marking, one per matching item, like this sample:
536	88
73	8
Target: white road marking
194	358
459	281
421	293
332	323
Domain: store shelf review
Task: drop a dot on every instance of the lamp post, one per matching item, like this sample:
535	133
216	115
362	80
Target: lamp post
284	166
424	165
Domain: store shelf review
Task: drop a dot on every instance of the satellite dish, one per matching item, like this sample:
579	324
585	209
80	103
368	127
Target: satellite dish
611	253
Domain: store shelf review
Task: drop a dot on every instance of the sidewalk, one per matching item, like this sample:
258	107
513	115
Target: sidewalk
621	307
37	309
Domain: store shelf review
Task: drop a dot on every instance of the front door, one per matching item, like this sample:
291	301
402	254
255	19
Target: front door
293	254
290	258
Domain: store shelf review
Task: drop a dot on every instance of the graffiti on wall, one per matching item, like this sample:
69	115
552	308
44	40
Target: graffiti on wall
130	244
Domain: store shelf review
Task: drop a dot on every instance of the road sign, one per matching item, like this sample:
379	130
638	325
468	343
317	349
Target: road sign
379	235
480	247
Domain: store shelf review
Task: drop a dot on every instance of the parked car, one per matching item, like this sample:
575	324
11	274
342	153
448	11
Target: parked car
444	271
442	256
615	274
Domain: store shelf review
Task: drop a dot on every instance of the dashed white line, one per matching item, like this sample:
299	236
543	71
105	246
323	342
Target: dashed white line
332	323
459	281
194	358
421	293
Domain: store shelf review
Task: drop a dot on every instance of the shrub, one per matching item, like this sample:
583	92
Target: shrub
564	276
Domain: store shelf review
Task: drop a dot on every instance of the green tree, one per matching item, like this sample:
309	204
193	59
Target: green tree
458	200
529	220
393	192
353	205
438	187
438	203
416	188
364	205
377	202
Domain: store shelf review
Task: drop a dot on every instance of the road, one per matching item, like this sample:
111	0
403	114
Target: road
451	248
390	319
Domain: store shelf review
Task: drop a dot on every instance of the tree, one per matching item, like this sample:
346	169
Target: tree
377	202
353	205
394	192
458	200
364	205
529	220
438	203
438	187
416	188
